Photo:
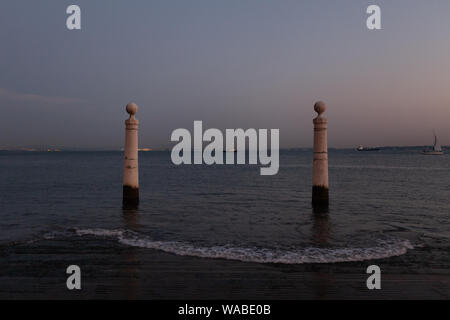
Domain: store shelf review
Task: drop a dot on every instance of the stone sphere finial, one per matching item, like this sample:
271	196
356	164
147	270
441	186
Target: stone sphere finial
320	107
132	108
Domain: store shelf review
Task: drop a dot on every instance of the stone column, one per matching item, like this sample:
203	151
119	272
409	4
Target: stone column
320	164
131	168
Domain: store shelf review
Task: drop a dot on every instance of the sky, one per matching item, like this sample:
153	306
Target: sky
230	63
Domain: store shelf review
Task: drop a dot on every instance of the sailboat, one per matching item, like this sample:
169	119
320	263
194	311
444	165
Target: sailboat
437	150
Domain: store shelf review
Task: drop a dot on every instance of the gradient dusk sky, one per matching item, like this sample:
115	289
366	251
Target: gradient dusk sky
230	63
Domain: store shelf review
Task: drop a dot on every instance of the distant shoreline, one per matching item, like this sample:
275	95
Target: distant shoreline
62	149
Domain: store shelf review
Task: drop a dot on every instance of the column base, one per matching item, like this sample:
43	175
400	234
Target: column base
130	196
320	195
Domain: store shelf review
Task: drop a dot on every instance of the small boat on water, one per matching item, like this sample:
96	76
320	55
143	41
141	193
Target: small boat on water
436	151
361	148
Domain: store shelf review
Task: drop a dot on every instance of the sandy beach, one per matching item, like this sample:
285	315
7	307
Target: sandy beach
37	271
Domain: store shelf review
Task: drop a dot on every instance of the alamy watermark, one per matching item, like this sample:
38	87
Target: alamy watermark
374	280
189	147
74	280
73	22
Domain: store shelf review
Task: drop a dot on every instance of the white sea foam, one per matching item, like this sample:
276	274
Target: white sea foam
381	249
100	232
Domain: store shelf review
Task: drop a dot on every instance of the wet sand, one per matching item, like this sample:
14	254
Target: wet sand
114	271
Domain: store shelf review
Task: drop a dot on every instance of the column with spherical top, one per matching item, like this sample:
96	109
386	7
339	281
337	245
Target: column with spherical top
131	169
320	162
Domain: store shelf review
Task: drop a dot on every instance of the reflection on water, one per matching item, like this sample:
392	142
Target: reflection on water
130	284
323	284
130	216
320	236
320	225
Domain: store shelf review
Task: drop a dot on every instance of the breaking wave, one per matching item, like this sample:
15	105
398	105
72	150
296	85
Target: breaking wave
381	249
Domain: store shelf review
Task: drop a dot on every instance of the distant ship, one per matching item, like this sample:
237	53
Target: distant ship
361	148
436	151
